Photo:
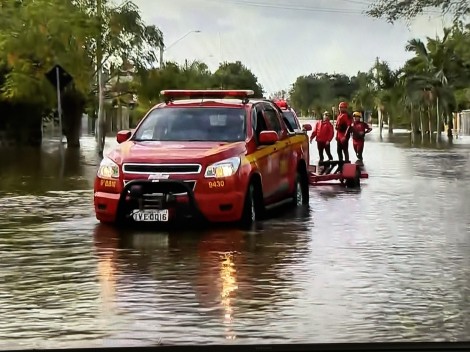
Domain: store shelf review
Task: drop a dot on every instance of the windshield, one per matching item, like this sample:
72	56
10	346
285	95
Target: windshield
193	124
291	119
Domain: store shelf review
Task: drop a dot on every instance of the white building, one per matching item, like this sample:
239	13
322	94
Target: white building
462	123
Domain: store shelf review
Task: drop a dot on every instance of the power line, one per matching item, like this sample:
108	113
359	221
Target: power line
357	2
307	8
285	7
425	12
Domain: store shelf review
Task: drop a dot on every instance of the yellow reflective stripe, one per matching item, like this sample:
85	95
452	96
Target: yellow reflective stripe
267	150
298	139
261	153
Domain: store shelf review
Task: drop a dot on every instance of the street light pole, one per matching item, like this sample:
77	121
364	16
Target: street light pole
100	128
163	49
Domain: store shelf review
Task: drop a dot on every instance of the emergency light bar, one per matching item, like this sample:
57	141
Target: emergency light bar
281	103
206	93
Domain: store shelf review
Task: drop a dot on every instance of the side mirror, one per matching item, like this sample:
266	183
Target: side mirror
268	137
123	136
307	127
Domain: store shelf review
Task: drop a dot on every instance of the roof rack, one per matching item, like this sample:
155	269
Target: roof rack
171	94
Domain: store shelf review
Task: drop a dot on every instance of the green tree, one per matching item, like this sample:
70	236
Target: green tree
122	35
421	94
194	75
387	93
56	32
393	10
460	73
439	71
73	34
364	97
235	75
316	93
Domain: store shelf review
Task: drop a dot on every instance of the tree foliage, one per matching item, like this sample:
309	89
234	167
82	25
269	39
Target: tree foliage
315	93
393	10
37	34
422	94
32	41
235	75
195	75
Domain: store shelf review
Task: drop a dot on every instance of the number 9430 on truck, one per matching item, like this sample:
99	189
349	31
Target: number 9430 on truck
212	155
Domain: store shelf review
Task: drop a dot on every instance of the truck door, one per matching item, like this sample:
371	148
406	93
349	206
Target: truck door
265	159
281	154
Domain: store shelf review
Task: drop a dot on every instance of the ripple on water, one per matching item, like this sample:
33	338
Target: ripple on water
388	262
18	210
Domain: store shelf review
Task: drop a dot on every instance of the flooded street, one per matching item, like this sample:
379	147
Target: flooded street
385	263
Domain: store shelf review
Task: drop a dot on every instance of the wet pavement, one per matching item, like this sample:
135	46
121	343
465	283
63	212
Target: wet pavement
385	263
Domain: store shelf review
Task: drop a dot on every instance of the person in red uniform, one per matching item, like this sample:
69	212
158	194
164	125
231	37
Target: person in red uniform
324	134
358	130
343	123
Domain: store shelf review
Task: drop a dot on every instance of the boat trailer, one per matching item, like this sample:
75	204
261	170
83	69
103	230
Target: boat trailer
349	174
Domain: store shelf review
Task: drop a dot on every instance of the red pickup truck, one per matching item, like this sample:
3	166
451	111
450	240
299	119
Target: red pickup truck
216	155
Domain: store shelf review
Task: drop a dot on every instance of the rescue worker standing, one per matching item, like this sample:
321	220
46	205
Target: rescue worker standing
324	133
343	123
358	130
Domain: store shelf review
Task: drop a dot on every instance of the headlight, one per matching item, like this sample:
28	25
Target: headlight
108	169
224	168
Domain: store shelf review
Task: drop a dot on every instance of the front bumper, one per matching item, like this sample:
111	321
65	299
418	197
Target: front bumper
174	195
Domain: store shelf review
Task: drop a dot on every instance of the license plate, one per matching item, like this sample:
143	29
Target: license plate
150	215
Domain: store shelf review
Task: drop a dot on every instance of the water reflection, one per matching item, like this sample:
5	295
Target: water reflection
42	170
228	275
106	247
386	262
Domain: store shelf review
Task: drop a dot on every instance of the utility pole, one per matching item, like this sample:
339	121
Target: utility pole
59	105
161	55
99	58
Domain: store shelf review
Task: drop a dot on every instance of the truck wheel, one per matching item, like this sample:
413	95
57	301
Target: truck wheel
251	209
301	194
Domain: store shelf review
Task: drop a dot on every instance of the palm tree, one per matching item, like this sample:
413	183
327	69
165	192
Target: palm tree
387	94
431	63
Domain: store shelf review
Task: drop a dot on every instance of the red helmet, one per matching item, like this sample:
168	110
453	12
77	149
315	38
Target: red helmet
343	105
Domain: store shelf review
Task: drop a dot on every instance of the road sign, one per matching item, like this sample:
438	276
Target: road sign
64	77
59	78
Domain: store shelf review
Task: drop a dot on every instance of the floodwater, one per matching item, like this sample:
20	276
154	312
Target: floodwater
385	263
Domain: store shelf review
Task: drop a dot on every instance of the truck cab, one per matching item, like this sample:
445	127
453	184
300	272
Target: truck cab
218	155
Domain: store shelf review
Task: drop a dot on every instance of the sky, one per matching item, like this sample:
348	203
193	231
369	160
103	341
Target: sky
281	40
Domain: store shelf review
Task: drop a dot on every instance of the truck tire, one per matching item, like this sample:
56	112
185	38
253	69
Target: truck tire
301	194
252	211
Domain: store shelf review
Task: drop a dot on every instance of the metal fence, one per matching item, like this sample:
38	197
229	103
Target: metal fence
462	123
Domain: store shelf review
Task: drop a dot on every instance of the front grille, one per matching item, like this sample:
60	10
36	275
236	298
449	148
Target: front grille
190	183
161	168
154	200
